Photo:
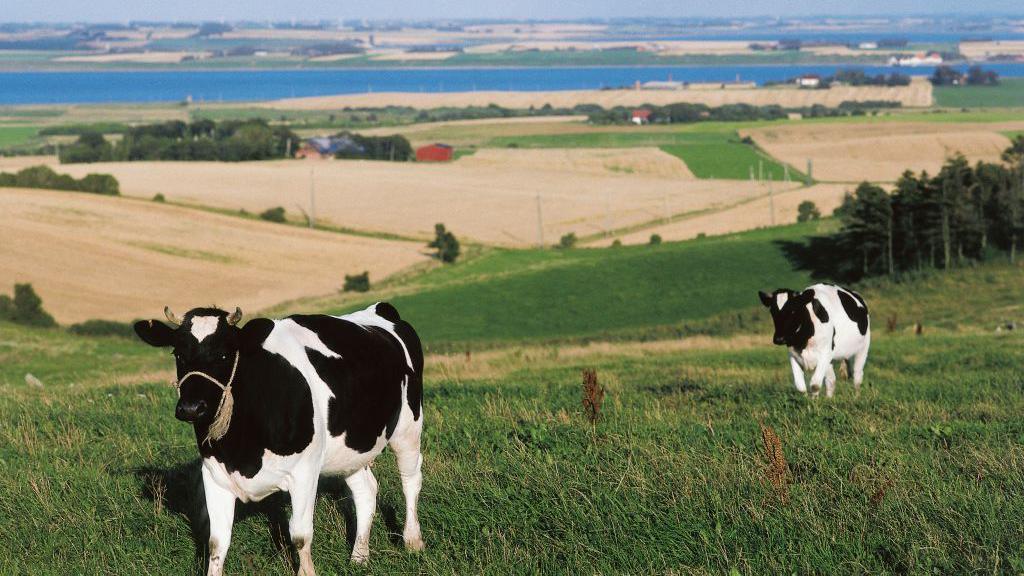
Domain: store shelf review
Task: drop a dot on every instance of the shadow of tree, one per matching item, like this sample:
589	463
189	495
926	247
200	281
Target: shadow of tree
822	256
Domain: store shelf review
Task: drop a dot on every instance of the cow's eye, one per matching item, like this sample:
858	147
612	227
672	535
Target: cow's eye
223	356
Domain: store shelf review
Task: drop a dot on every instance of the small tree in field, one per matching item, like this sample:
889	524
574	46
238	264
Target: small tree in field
655	239
807	211
25	308
273	214
357	282
568	241
446	244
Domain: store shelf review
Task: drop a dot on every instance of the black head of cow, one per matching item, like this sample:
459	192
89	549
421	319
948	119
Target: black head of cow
793	325
206	340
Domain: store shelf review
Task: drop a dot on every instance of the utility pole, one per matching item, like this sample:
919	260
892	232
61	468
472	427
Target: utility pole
540	225
312	197
810	170
751	173
760	171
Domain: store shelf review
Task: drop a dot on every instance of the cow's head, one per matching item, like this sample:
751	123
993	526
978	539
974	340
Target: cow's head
792	321
206	340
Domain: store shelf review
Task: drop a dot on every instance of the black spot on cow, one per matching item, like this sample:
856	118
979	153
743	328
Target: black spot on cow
388	312
367	378
819	310
855	308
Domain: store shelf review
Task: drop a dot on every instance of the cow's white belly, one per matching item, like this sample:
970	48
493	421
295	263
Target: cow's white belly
276	473
340	460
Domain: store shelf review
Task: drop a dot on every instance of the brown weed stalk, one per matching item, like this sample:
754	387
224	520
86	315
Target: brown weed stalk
777	471
593	395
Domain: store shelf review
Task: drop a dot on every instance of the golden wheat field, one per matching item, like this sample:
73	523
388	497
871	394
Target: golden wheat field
918	94
744	215
491	199
99	257
848	152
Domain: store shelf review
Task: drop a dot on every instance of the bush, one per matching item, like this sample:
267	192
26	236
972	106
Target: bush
103	328
445	243
568	241
25	308
655	239
159	198
616	243
357	282
45	177
807	211
275	214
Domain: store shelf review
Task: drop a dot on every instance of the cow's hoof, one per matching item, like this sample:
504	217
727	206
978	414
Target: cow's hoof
414	544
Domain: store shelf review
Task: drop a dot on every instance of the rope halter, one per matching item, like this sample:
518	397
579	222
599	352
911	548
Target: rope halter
222	419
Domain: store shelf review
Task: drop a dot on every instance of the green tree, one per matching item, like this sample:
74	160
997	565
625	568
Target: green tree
275	214
807	211
25	308
445	243
568	240
867	229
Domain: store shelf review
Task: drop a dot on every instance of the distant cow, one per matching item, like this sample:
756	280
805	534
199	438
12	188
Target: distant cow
822	324
277	403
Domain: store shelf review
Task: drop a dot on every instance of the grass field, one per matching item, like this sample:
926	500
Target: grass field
917	474
1009	94
16	135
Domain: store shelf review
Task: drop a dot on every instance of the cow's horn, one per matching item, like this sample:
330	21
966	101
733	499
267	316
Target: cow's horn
171	317
235	317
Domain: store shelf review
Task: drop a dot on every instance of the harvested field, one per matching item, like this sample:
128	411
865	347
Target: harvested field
747	215
641	161
982	50
849	152
493	201
138	57
98	257
412	56
919	93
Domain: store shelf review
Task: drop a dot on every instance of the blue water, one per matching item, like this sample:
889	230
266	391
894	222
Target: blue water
242	85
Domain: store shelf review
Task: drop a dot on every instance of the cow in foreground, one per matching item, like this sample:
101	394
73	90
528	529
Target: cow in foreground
822	324
277	403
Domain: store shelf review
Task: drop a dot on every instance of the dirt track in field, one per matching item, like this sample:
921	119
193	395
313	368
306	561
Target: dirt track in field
98	257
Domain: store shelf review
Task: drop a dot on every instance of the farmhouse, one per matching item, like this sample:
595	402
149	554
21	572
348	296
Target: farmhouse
919	59
640	116
809	81
435	153
325	147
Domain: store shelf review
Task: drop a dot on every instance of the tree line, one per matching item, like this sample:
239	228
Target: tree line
961	215
204	139
688	113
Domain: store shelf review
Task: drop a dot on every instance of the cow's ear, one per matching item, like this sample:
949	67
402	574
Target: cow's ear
806	296
155	333
766	298
255	332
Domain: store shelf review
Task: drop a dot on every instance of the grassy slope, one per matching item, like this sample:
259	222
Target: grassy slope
530	294
1009	93
915	475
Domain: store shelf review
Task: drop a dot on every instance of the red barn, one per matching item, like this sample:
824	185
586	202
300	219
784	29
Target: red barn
434	153
640	116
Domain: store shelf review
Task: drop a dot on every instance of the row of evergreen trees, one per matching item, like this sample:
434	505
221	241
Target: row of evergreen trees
962	214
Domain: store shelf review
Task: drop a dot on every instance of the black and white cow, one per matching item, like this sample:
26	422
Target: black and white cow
305	396
820	325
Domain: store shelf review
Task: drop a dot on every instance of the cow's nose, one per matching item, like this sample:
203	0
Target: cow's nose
190	411
779	340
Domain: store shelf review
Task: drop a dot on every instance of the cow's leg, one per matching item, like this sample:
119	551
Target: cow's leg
220	507
798	375
830	381
857	366
820	370
364	493
406	444
300	525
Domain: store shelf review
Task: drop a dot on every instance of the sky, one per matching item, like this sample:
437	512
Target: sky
124	10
